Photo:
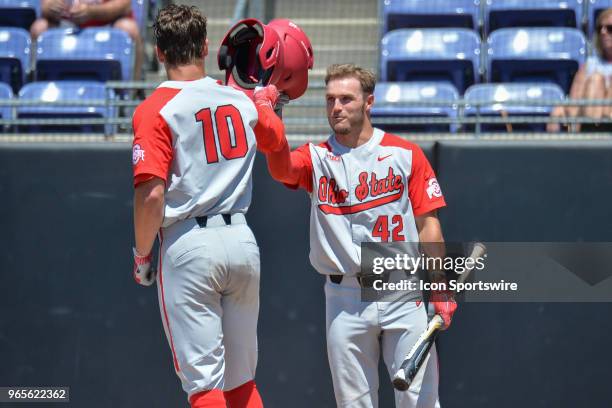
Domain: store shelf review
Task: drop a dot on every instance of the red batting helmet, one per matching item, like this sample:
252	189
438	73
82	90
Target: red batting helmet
298	57
279	53
251	54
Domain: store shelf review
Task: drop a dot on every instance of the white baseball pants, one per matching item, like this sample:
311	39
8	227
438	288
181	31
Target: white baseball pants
208	287
356	331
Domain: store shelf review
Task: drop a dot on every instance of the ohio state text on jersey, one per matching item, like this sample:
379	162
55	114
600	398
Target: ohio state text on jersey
371	193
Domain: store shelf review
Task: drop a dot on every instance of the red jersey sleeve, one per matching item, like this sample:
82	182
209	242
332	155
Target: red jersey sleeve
423	188
302	161
292	168
269	131
152	150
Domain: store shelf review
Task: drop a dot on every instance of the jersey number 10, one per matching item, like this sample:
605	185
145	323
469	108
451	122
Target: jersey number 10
224	116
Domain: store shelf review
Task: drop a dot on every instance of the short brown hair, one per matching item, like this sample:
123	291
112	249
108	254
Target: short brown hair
596	41
366	78
180	33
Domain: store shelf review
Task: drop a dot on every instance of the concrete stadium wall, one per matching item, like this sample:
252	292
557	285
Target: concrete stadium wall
72	315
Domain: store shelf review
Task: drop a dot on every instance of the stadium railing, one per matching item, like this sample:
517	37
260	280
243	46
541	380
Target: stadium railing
301	125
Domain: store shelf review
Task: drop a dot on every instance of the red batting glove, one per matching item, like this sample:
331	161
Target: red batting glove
266	96
144	273
444	305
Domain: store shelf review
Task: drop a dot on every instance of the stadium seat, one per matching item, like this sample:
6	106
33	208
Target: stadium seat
495	98
6	112
65	91
99	54
535	55
14	56
594	8
140	10
430	13
19	13
541	13
431	54
390	98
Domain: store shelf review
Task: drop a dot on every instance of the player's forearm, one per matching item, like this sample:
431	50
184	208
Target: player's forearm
148	214
281	166
430	231
269	131
432	241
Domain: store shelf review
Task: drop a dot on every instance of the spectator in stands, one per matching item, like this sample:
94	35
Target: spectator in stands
593	80
92	13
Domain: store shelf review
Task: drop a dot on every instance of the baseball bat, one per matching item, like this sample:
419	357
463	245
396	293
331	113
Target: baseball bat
419	352
415	358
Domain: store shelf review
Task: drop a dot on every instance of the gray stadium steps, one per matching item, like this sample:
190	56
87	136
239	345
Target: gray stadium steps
340	31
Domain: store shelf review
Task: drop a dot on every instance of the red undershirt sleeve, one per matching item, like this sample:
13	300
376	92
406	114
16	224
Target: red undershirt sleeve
294	169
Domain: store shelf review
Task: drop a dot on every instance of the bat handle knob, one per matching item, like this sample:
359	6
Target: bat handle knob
399	380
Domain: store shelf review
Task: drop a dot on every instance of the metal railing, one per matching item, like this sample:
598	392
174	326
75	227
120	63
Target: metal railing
468	116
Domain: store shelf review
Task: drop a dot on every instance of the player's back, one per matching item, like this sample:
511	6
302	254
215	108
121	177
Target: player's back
201	134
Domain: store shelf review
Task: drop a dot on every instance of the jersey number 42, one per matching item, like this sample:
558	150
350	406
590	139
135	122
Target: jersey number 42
381	228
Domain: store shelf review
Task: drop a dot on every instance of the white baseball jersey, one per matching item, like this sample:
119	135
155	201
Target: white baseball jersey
182	133
371	193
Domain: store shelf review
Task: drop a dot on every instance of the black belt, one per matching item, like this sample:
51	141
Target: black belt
202	221
364	281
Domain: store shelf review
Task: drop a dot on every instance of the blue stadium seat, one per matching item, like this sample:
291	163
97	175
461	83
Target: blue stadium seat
19	13
535	55
540	13
14	56
99	54
496	95
389	98
6	112
140	10
431	54
65	91
595	7
430	13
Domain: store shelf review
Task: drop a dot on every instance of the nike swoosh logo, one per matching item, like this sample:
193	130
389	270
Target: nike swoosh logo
381	158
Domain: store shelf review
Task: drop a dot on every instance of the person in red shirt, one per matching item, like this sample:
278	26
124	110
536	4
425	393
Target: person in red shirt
92	13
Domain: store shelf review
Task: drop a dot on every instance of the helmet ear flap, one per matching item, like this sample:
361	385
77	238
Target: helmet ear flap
225	59
238	36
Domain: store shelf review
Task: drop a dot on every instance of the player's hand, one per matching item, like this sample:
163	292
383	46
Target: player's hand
144	272
444	305
266	96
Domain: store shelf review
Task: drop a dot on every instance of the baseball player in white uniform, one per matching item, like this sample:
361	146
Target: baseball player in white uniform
365	186
193	153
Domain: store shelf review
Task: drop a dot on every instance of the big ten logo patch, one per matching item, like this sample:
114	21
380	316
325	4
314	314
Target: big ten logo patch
329	192
371	186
